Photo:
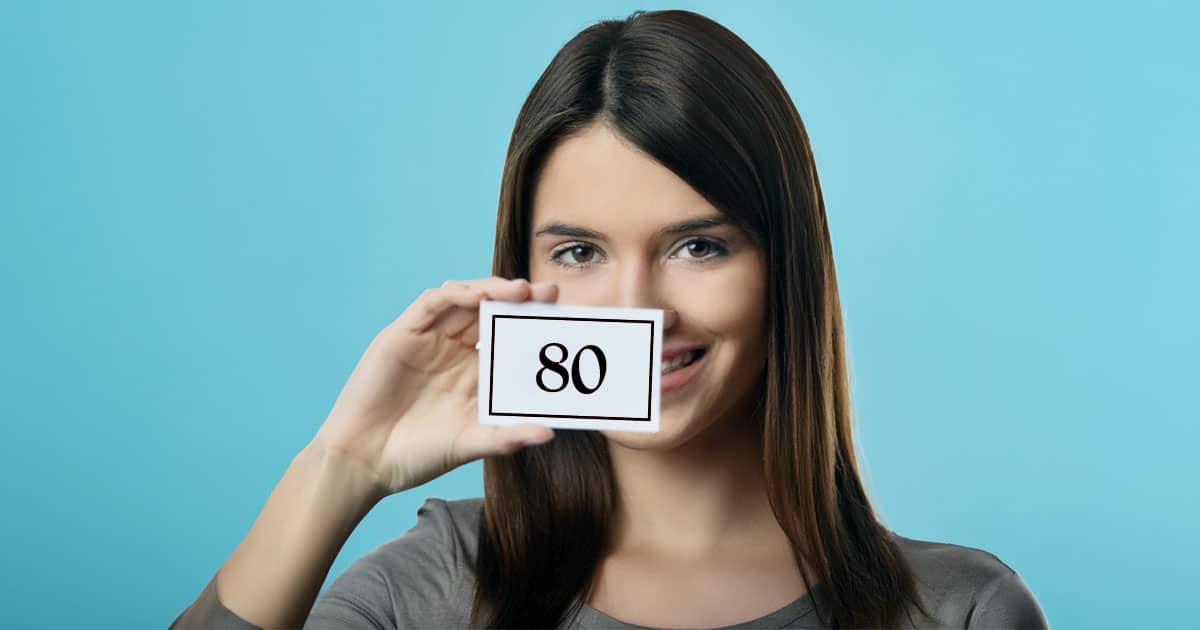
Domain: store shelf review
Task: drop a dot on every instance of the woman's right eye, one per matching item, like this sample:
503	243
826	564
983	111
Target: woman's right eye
574	255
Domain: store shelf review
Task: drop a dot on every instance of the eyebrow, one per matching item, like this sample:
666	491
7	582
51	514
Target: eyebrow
575	231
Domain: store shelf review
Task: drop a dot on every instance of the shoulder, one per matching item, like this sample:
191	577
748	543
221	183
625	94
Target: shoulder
420	577
463	516
446	534
968	587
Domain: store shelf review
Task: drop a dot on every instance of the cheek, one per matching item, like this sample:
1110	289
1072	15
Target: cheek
538	272
727	303
592	288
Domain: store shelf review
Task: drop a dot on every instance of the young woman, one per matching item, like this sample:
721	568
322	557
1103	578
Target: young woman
658	162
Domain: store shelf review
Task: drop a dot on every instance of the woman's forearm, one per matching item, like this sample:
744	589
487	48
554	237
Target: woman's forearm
275	574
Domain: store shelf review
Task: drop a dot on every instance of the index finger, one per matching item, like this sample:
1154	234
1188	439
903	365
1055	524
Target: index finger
514	290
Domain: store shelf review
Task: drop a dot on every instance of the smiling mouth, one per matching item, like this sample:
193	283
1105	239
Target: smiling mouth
682	360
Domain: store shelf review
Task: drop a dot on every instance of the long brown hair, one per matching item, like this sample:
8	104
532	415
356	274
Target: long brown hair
696	98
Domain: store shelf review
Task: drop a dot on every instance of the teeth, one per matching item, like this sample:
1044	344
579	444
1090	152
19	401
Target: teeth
679	361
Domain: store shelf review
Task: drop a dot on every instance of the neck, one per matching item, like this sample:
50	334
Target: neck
704	497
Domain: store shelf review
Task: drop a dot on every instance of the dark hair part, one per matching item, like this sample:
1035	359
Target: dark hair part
697	99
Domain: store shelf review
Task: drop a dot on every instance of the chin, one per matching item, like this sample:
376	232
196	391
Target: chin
675	428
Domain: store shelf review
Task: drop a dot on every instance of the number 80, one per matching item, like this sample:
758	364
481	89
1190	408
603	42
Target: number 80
574	378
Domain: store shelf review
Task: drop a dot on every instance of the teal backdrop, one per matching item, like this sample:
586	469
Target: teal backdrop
210	208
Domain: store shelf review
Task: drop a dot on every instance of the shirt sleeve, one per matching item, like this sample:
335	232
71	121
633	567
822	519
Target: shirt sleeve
1007	602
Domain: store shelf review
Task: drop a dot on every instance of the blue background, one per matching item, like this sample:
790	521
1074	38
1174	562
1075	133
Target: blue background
210	208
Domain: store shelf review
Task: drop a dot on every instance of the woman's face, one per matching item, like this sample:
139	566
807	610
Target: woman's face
615	228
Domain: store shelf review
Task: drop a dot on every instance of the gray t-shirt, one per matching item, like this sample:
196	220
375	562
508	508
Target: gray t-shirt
423	579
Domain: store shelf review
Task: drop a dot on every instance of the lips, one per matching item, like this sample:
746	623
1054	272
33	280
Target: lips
680	364
672	351
680	359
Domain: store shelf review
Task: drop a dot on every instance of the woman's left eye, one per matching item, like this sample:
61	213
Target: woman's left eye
702	249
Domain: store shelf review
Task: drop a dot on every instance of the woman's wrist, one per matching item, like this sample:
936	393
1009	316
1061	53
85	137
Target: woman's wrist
357	482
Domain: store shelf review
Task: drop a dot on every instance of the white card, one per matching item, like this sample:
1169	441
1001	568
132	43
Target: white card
569	367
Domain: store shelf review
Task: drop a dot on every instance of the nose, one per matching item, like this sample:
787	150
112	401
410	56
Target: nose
638	287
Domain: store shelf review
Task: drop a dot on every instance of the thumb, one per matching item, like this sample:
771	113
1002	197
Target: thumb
481	440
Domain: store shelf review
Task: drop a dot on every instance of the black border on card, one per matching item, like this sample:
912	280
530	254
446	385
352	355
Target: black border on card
492	369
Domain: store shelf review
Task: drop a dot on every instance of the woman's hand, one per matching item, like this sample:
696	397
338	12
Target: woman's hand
408	412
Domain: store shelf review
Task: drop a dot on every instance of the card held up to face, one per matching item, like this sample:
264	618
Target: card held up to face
568	366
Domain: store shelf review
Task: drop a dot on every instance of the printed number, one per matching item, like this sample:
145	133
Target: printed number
574	377
553	366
